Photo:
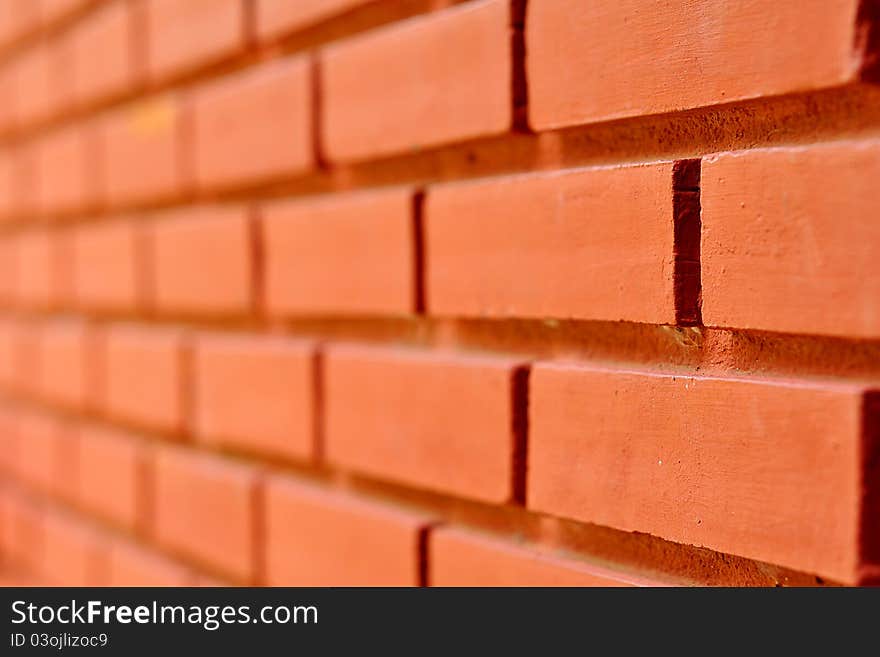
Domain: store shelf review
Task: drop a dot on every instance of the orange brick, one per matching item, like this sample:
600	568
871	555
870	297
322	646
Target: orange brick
142	158
769	470
39	261
112	475
411	416
19	356
66	161
776	254
609	59
315	537
109	265
275	17
66	355
345	255
216	496
102	53
132	565
203	261
401	88
462	558
34	87
185	35
591	243
52	10
75	555
270	108
44	449
7	184
256	394
8	439
143	376
17	19
23	533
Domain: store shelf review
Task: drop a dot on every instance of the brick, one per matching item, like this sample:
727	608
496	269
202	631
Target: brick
66	354
143	377
592	243
402	88
74	554
43	445
341	255
315	537
17	19
38	266
270	108
53	10
217	496
141	146
462	558
112	475
203	261
102	52
65	162
132	565
775	253
8	440
109	265
183	36
7	184
275	17
33	80
19	356
765	469
597	61
23	535
256	394
410	417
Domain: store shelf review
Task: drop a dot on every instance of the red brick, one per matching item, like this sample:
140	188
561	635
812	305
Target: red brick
65	161
34	87
186	35
591	243
39	262
256	394
142	152
764	469
462	558
102	53
109	265
275	17
403	87
112	472
343	255
66	354
144	376
75	555
411	417
132	565
270	108
203	261
216	496
315	537
596	61
776	254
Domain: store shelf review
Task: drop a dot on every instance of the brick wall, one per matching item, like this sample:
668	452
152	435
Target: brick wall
440	292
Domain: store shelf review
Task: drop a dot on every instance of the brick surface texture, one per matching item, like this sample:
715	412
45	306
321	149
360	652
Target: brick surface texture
440	292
